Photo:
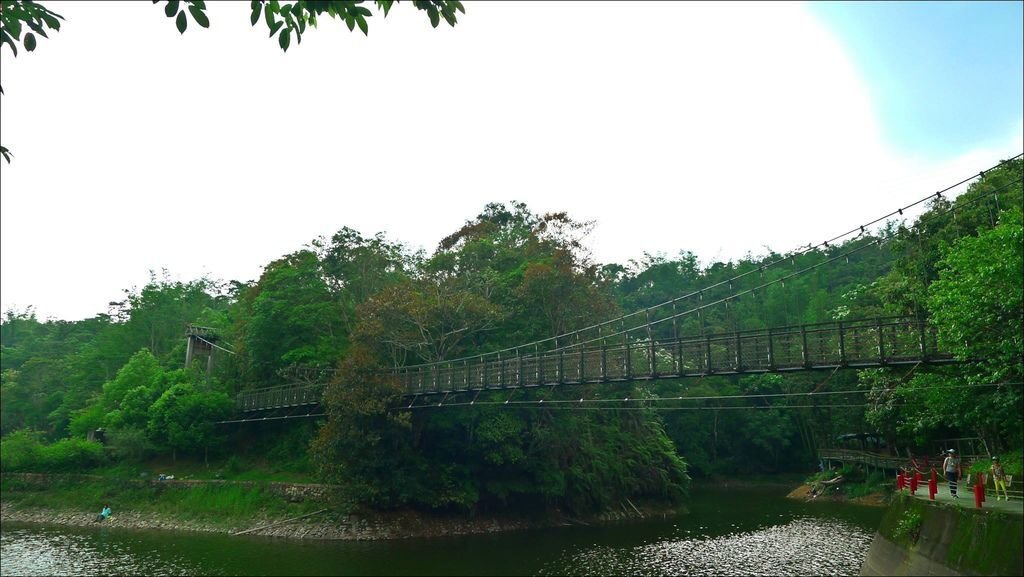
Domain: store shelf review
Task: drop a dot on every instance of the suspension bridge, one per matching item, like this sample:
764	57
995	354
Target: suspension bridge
651	343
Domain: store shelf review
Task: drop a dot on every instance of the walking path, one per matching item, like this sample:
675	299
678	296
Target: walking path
966	500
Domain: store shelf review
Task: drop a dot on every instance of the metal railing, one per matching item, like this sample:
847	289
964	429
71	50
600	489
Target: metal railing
873	460
279	397
858	344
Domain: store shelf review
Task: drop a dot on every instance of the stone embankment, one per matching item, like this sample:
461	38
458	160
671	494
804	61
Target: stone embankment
329	525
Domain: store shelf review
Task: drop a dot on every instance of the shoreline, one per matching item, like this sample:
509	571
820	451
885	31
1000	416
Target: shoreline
330	526
804	493
319	519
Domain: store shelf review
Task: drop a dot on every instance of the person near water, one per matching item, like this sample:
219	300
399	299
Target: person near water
999	477
103	514
951	465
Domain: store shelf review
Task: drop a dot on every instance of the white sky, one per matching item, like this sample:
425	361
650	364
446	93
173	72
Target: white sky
716	128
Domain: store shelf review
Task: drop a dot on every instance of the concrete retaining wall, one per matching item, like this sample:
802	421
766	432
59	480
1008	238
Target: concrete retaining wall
947	540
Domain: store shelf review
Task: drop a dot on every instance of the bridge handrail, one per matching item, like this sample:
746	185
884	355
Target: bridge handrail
811	328
282	387
191	329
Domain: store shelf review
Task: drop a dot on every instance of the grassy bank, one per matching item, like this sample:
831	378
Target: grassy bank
218	504
853	483
230	469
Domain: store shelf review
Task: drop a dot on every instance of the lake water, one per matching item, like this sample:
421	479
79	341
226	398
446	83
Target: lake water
749	532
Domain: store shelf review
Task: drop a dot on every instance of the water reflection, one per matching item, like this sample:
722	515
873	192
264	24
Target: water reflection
53	551
805	546
726	533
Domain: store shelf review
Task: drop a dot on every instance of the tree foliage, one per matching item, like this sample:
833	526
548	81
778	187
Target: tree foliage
185	416
507	277
960	263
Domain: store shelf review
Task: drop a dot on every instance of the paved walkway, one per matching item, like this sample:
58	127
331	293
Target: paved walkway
966	500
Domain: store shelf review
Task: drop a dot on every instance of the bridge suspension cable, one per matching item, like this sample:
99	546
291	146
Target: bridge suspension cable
806	395
860	230
780	280
214	345
418	373
890	334
278	418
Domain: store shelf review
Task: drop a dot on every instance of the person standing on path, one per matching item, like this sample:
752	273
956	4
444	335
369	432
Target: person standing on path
998	477
951	465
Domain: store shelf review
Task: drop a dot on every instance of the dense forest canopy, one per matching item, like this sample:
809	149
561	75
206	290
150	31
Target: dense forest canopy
507	277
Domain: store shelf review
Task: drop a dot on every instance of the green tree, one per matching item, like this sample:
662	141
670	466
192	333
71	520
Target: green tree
141	371
431	318
184	418
960	263
291	316
506	275
978	300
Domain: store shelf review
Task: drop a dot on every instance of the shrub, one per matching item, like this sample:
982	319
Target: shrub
71	455
21	451
909	526
84	421
130	444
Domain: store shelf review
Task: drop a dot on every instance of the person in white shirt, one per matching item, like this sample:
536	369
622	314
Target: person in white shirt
951	465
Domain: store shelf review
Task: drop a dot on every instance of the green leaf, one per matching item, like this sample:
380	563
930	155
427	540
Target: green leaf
13	26
435	19
200	16
458	5
268	14
200	4
38	29
5	37
181	22
386	5
171	9
362	24
255	12
350	21
277	26
30	41
285	39
6	153
52	22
